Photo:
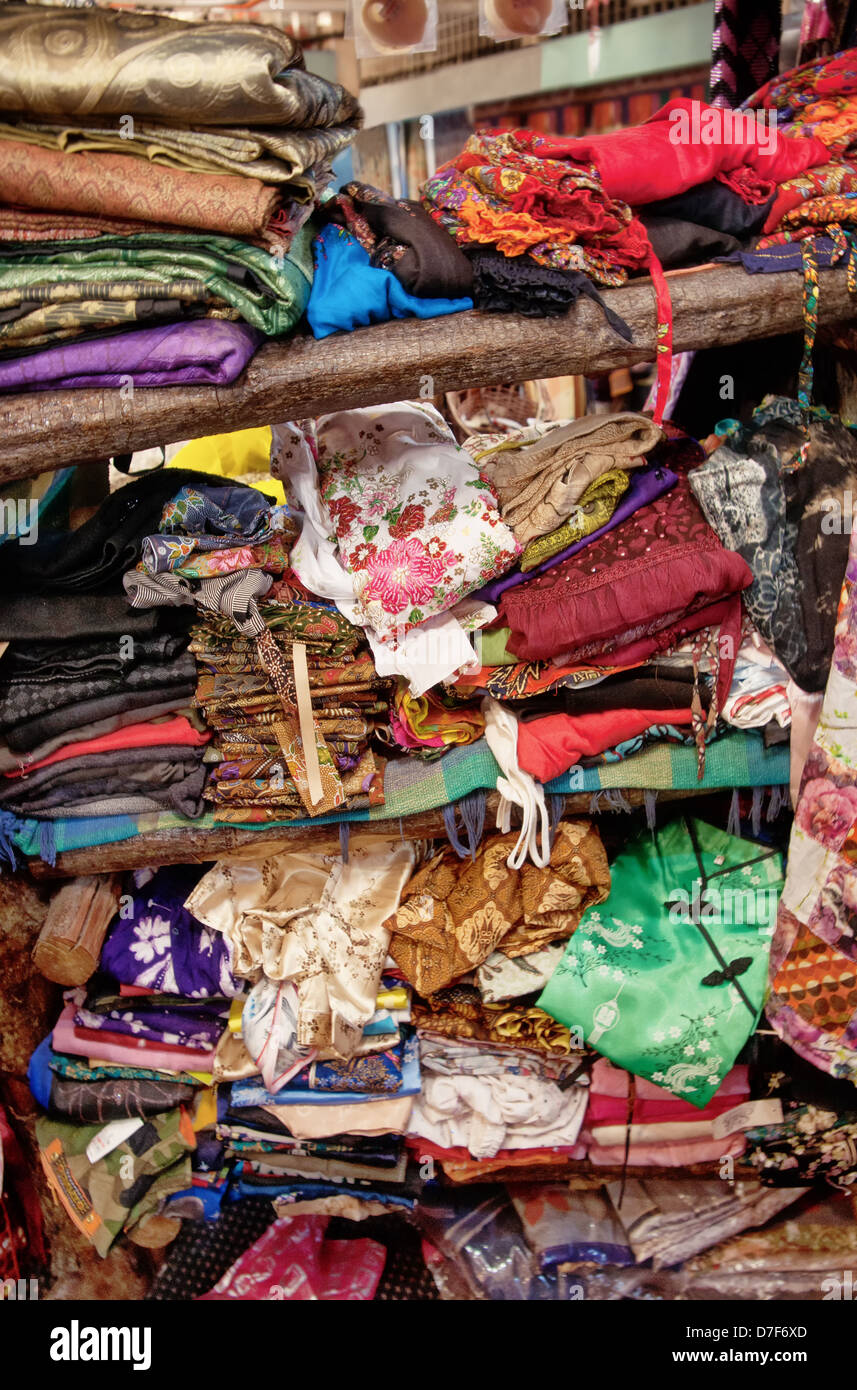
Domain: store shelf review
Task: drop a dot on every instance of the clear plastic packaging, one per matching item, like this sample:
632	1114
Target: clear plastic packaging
521	19
382	27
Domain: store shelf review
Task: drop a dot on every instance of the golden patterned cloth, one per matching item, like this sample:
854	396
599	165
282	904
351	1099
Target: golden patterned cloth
594	510
99	62
294	158
454	913
459	1012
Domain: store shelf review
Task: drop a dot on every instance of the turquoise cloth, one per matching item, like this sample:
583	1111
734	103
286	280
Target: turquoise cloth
349	292
739	759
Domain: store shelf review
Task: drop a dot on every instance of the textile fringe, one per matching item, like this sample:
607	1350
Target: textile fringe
9	824
779	799
556	811
733	824
472	808
650	799
756	811
610	799
344	839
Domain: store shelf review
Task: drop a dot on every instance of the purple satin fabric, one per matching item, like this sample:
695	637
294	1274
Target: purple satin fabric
646	484
210	352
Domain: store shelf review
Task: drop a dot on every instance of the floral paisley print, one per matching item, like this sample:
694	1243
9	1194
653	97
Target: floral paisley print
416	525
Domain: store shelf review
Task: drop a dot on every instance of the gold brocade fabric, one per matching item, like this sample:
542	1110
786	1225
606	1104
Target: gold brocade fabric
460	1012
593	511
100	62
454	913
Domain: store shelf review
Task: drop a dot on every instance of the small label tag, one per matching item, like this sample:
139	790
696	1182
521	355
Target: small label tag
110	1137
747	1116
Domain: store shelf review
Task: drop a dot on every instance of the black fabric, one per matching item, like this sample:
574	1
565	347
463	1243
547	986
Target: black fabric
517	285
32	733
36	619
658	690
99	1102
432	265
713	205
94	557
677	243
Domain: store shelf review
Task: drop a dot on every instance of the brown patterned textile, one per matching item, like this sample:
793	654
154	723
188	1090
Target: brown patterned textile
100	62
459	1012
115	185
453	914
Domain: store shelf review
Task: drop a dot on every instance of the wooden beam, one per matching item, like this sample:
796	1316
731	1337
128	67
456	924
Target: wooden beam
192	846
406	359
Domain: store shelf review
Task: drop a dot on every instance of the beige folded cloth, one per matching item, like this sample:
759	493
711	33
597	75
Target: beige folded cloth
538	484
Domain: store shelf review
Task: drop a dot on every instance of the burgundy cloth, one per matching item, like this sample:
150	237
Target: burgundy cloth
630	590
202	352
642	164
646	484
550	746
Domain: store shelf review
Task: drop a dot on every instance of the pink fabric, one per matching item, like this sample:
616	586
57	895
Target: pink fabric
292	1262
613	1110
608	1080
674	1155
141	1052
148	735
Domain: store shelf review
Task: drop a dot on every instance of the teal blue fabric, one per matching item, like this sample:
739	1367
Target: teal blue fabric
349	292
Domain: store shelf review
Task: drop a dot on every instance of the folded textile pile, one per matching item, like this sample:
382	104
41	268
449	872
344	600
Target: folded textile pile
95	700
219	549
620	567
123	1076
492	1063
120	212
631	1122
250	780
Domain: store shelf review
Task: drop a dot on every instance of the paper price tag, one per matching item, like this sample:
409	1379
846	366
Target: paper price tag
110	1137
747	1116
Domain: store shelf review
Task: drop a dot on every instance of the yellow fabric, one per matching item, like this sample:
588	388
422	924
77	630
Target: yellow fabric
235	455
205	1109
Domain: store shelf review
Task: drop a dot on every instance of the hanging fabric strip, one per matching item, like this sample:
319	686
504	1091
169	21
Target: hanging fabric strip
288	733
664	337
307	723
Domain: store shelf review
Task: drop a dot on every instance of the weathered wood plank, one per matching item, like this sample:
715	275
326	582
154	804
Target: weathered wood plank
711	305
190	846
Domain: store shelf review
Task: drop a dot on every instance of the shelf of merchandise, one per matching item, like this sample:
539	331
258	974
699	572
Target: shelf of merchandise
407	358
190	845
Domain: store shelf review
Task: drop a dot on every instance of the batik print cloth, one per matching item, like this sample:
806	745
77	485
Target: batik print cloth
453	915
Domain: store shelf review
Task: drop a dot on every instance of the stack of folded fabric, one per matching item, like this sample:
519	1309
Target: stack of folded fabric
620	567
249	781
95	699
125	1077
119	212
630	1121
476	939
